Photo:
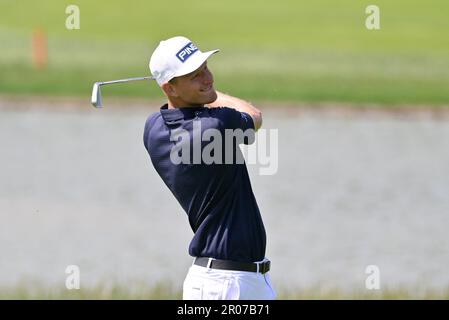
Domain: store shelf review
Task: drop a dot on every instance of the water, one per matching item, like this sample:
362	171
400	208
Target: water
77	188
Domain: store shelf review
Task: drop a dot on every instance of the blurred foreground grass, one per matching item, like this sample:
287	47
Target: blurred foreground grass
279	51
166	292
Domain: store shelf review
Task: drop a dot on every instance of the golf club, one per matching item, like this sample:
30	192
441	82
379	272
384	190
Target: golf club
96	92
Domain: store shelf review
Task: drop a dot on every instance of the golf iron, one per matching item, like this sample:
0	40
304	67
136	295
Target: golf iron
96	90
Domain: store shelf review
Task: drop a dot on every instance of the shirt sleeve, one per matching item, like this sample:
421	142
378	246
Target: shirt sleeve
237	120
234	119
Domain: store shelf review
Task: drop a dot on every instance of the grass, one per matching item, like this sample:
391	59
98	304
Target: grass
384	294
279	51
99	292
167	292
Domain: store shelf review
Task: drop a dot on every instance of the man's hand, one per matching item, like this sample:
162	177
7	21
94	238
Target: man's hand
224	100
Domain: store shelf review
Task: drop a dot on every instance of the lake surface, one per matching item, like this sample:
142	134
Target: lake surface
351	190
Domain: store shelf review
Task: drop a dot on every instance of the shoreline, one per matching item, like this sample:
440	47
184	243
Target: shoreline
333	109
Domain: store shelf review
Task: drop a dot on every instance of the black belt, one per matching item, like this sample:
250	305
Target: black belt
264	266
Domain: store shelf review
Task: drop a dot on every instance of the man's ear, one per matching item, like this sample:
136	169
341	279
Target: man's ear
169	89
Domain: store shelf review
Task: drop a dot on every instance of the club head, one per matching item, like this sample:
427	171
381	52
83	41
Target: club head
96	95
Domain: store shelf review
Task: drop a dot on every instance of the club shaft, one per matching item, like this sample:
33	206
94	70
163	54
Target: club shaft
126	80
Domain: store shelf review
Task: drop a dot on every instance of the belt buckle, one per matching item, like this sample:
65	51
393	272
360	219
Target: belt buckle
264	267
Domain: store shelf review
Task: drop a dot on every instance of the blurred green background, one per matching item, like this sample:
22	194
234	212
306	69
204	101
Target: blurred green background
278	50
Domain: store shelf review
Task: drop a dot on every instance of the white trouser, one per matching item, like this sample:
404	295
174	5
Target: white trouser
204	283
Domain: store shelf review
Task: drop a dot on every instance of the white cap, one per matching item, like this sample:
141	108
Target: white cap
176	57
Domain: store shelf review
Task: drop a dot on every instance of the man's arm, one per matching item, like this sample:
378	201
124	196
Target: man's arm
224	100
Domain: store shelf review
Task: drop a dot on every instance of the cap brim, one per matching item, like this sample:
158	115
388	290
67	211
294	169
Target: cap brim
195	62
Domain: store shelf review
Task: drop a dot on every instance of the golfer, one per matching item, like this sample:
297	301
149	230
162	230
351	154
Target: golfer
228	246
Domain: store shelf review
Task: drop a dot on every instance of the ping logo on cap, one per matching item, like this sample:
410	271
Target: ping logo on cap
186	52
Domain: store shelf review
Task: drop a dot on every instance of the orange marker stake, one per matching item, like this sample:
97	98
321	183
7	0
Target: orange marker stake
40	54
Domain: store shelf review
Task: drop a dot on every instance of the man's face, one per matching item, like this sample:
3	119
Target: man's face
195	88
